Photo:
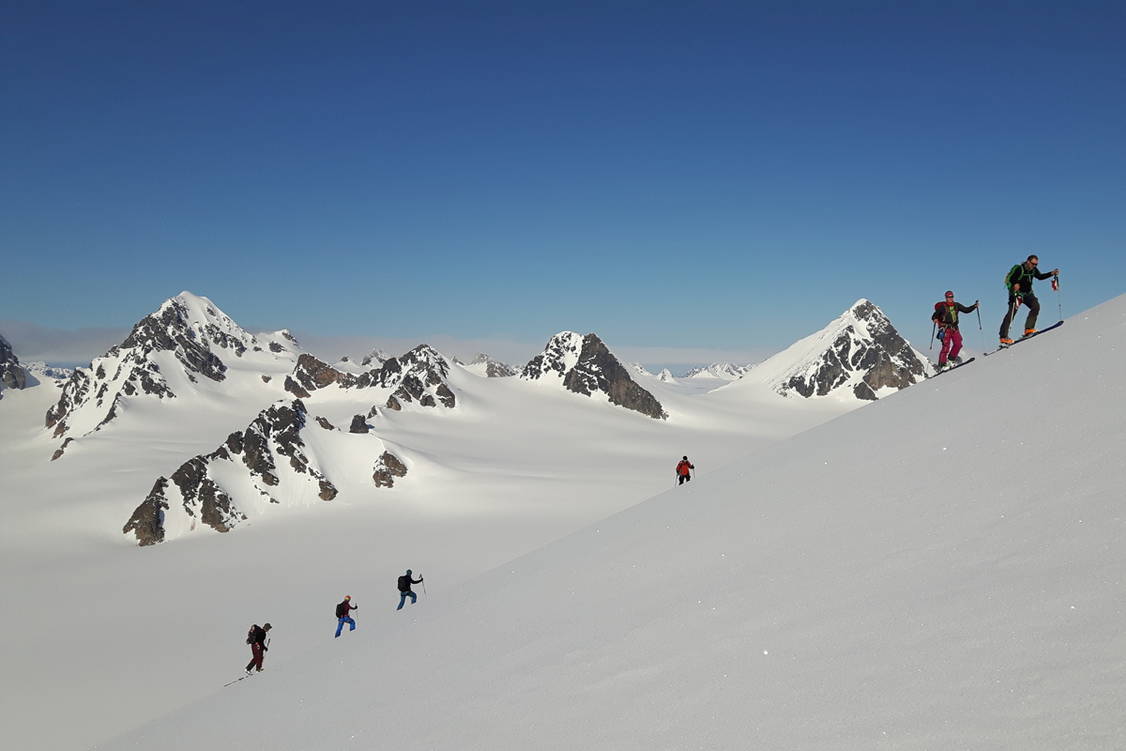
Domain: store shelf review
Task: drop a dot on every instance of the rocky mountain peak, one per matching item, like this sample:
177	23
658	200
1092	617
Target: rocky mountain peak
586	366
188	334
859	353
723	370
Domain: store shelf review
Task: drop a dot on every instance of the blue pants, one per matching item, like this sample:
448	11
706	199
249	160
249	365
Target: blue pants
403	599
342	621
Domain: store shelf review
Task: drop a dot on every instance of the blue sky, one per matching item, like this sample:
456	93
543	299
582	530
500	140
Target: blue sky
717	176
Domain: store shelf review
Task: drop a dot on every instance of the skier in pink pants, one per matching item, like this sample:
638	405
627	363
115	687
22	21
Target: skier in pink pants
946	317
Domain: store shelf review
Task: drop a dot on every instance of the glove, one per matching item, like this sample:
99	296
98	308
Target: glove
265	648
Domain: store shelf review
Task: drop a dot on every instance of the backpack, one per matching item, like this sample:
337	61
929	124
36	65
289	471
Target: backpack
683	467
250	634
1009	281
341	609
404	583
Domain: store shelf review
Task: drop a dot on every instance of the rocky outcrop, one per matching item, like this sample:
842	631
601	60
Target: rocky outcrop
359	425
724	371
586	366
251	469
313	374
386	469
12	374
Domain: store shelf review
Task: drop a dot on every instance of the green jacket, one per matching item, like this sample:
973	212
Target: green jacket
1020	274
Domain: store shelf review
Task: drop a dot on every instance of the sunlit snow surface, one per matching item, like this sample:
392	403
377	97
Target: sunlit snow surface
940	570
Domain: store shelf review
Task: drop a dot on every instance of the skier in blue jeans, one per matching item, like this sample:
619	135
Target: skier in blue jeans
405	583
342	616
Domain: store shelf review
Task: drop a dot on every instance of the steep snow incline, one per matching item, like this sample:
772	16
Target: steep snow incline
884	581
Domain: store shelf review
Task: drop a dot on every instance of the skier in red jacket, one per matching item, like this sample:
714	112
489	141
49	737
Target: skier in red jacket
684	471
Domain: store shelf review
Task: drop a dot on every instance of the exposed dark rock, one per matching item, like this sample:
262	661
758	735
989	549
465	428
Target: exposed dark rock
386	469
275	347
294	388
59	451
325	423
147	521
266	379
393	403
358	425
12	374
313	374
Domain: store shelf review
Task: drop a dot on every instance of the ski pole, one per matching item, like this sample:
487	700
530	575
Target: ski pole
1056	288
934	327
981	331
423	582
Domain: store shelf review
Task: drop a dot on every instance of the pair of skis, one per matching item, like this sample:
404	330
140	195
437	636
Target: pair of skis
1026	338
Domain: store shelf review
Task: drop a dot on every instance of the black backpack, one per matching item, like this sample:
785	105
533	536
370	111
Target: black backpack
250	634
341	609
404	583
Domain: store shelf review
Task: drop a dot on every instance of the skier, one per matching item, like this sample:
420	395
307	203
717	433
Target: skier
946	317
343	608
684	471
256	638
405	582
1019	283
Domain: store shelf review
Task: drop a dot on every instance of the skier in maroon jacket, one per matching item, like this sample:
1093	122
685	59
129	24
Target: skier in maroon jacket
256	638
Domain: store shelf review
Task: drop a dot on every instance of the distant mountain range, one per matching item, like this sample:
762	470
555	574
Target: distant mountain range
188	367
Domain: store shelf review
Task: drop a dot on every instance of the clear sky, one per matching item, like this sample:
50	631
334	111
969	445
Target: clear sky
718	176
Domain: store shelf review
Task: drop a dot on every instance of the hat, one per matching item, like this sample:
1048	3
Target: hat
949	293
267	627
408	570
347	597
686	458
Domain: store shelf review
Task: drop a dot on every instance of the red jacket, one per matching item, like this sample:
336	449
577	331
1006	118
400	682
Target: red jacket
683	467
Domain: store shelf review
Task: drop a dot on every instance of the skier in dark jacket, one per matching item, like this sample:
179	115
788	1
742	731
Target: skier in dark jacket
405	582
946	318
343	608
684	471
256	638
1019	283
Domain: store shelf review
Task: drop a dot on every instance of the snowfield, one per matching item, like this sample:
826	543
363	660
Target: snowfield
940	570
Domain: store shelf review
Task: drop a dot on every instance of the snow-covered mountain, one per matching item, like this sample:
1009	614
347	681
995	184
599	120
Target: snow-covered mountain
187	344
487	367
858	355
277	460
584	365
666	376
779	602
723	370
12	374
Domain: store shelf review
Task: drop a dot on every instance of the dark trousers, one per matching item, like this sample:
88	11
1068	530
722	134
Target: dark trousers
683	479
403	598
256	660
1033	310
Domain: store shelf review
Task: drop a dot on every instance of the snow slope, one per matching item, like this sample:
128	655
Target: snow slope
138	632
941	570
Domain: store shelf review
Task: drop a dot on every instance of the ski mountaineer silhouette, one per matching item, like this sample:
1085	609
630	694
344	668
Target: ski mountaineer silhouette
405	581
945	317
1019	284
256	638
343	615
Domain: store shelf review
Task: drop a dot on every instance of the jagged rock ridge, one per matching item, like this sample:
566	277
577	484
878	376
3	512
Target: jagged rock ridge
486	366
268	463
586	366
